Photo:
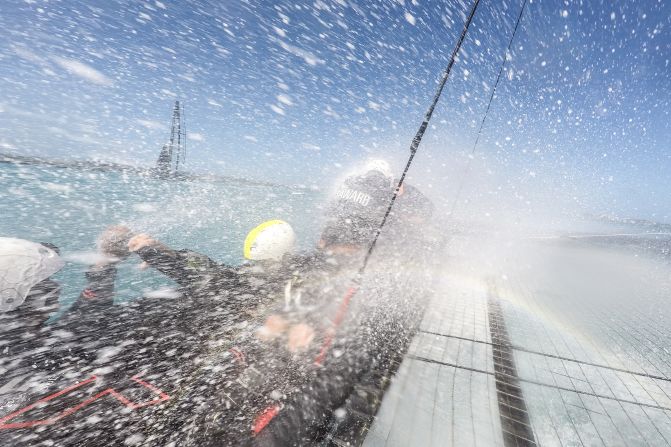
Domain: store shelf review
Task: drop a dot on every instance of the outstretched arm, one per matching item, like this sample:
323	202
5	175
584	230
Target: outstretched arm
112	247
185	267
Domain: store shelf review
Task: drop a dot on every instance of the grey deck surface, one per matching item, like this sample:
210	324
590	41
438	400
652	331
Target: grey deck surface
590	334
430	404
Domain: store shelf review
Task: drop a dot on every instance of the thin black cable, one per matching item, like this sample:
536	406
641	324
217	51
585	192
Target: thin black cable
489	105
553	356
420	133
539	383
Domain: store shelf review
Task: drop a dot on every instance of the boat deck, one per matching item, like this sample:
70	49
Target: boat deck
571	348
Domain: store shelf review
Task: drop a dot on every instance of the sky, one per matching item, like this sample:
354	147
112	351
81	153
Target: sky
297	92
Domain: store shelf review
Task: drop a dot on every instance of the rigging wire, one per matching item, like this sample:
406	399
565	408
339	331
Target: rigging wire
420	134
484	117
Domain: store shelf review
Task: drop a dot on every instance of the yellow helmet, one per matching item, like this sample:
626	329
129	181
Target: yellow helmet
270	240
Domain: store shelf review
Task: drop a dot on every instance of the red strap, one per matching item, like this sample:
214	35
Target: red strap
264	418
342	310
5	424
239	355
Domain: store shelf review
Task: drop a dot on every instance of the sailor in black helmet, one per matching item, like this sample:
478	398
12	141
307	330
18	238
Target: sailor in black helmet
358	207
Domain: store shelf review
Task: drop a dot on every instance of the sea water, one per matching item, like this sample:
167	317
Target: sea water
69	207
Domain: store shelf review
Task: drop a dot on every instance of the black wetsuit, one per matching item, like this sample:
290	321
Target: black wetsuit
183	369
357	209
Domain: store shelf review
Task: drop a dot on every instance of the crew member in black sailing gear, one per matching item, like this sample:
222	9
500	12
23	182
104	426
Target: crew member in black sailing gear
197	275
358	207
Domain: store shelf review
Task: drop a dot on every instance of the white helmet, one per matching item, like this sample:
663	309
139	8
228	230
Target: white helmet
378	165
23	264
270	240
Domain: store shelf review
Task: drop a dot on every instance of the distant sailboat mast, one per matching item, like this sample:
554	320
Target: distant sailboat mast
176	146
